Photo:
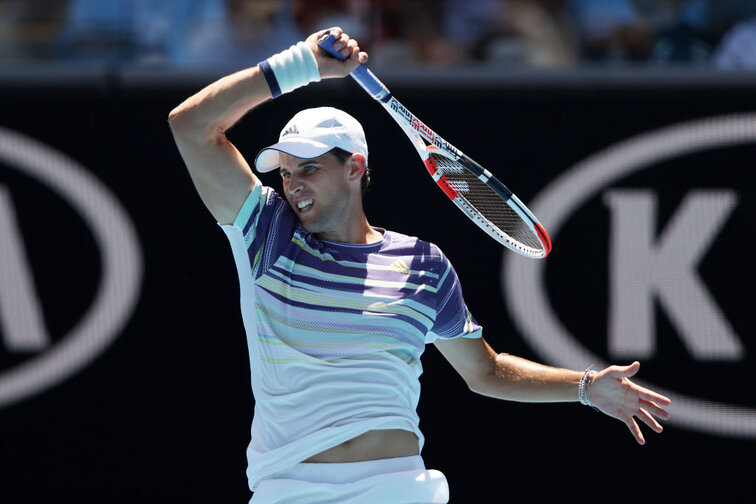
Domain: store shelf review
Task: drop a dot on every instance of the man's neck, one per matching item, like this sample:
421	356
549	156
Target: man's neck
359	236
358	231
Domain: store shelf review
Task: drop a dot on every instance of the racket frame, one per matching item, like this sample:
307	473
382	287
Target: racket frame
429	144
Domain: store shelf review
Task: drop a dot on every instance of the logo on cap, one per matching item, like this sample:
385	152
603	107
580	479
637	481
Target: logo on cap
291	130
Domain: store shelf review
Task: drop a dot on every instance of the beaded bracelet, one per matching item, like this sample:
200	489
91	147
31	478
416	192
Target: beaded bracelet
583	388
290	69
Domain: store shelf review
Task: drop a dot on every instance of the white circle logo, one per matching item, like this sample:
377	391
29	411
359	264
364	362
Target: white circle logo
523	279
119	285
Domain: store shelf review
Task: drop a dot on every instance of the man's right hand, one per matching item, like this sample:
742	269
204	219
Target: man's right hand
331	67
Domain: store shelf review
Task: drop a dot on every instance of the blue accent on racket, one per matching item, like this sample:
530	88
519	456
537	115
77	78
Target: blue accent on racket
361	74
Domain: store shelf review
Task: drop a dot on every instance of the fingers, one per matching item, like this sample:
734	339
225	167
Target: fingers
649	420
351	50
647	413
346	46
652	404
624	371
362	56
620	398
635	431
654	409
651	396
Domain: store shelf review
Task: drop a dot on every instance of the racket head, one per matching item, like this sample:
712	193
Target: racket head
488	203
473	189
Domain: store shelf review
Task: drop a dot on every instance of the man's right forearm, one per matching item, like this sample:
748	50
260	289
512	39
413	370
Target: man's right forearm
220	105
219	172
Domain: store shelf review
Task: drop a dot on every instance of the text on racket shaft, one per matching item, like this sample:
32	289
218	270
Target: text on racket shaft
421	128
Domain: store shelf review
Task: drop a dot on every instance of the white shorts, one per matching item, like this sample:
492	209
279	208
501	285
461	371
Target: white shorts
397	481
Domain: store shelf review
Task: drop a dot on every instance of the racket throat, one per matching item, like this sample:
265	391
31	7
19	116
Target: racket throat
440	179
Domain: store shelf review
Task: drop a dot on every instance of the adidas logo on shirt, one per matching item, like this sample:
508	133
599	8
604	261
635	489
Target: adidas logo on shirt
401	267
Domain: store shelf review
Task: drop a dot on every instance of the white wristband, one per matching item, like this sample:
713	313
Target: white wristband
290	69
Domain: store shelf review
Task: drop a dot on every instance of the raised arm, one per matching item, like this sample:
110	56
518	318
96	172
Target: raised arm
505	376
220	173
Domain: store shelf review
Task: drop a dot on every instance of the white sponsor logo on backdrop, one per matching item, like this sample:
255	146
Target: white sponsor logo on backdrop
56	357
644	268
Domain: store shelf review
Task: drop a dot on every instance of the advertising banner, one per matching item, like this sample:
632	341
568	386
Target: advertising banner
124	374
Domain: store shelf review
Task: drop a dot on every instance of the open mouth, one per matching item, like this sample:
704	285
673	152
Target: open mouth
304	205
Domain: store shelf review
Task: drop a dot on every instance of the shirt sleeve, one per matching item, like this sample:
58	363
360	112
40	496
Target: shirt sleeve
453	318
267	223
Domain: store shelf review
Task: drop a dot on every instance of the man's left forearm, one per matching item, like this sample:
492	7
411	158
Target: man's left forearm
517	379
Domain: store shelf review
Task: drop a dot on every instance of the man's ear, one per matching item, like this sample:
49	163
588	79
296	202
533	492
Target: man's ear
356	166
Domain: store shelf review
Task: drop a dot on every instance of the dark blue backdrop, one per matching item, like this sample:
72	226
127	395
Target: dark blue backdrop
162	414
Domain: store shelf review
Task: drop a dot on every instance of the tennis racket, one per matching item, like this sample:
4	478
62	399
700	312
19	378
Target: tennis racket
475	191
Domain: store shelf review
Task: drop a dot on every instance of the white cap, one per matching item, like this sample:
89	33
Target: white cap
313	132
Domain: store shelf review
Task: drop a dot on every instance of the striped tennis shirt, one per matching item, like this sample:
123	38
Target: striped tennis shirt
335	331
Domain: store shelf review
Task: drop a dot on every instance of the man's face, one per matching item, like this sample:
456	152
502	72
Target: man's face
318	191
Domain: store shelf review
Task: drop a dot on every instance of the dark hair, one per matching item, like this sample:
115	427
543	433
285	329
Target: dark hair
343	156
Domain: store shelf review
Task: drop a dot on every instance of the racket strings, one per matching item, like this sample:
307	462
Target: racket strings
483	200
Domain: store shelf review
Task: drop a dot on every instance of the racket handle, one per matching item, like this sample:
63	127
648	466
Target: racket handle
361	74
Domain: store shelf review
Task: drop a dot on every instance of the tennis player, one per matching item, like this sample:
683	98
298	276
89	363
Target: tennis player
338	312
